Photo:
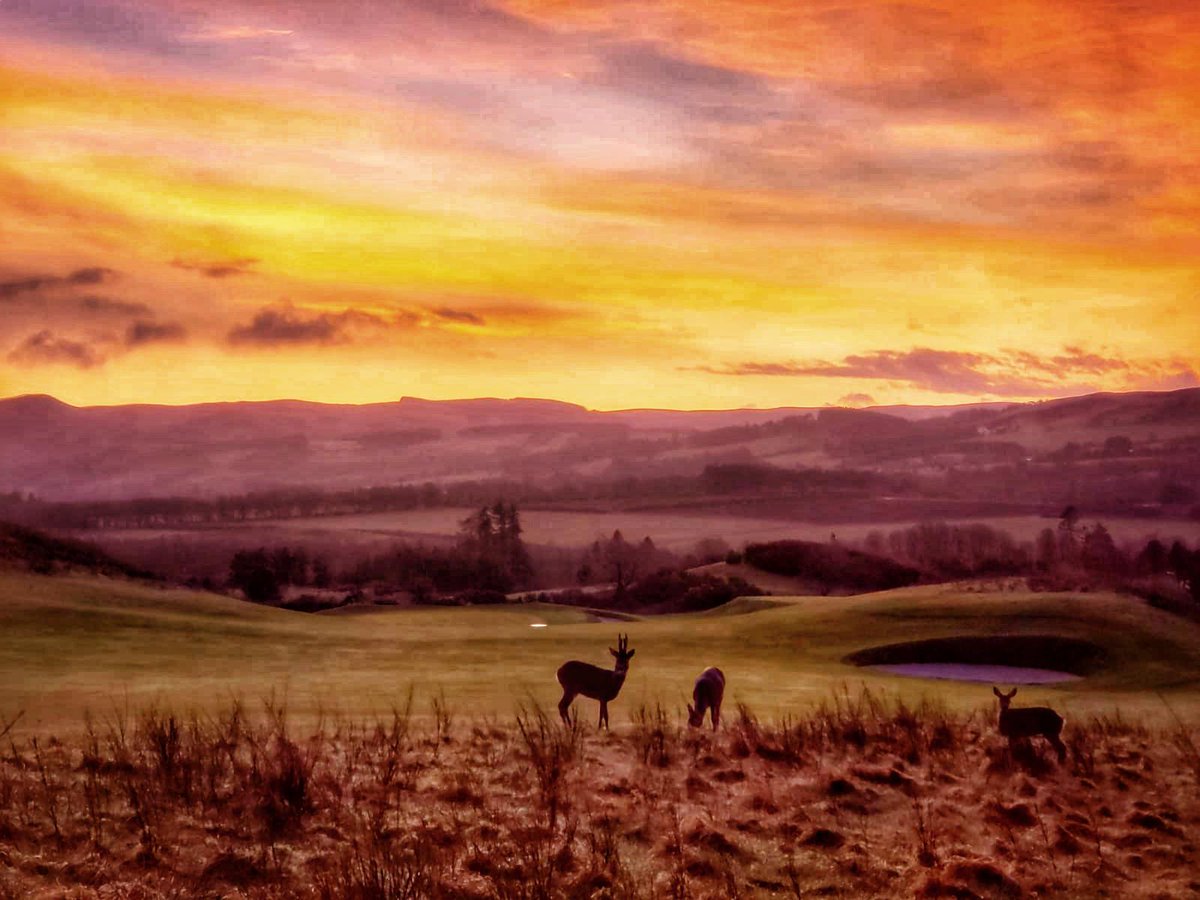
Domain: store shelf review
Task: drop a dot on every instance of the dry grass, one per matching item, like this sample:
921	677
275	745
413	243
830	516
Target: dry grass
860	797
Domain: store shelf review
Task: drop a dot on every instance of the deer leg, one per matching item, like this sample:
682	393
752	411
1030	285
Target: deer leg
603	715
1060	747
564	706
716	716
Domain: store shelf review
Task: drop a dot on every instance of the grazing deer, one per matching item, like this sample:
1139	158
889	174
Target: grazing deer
1030	722
707	694
592	681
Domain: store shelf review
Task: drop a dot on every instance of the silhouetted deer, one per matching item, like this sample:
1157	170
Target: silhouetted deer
1030	722
707	694
591	681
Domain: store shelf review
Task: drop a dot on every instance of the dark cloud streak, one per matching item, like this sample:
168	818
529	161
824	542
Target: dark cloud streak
106	305
45	348
145	332
466	317
218	269
88	276
286	326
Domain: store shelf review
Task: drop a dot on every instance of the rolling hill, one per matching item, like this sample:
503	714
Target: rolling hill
1118	453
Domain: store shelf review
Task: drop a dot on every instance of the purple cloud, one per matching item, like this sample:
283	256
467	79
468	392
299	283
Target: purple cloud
1009	373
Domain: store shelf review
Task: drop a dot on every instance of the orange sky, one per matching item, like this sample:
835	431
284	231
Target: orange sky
654	203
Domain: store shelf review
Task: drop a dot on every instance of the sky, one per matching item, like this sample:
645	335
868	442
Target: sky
659	203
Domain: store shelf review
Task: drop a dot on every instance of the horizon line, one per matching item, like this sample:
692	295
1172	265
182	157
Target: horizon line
579	406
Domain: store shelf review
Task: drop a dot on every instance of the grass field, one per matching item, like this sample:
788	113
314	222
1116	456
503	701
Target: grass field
823	781
853	800
70	644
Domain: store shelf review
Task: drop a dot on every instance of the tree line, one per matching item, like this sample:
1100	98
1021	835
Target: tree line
1071	552
305	502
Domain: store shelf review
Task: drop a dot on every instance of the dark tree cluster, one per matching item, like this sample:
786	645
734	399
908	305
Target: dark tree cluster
673	590
429	573
620	563
1179	562
952	551
262	574
490	559
830	565
1088	548
493	535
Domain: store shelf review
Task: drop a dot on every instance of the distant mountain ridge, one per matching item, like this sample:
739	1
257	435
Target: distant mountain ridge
58	451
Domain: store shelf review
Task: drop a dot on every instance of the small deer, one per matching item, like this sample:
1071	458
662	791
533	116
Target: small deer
707	694
592	681
1030	722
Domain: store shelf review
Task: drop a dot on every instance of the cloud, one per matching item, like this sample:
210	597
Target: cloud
855	400
105	305
1009	373
942	371
93	275
145	332
449	314
282	326
38	283
44	348
218	269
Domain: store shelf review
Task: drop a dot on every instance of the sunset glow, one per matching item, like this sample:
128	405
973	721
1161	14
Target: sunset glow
619	204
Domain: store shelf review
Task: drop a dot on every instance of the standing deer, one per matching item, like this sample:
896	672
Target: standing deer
1030	722
592	681
707	694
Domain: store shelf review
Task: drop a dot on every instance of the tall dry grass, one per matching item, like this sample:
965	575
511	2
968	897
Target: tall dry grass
862	797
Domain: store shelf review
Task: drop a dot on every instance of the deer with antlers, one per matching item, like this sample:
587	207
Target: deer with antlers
707	695
1032	721
592	681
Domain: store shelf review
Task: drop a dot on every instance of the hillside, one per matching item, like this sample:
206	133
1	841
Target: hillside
60	452
32	550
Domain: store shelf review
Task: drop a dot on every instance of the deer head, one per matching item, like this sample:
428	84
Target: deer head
1005	699
623	654
695	717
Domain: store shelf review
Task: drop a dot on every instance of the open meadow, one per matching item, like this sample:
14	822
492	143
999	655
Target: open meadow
169	743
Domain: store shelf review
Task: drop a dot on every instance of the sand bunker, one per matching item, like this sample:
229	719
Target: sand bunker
984	674
1008	659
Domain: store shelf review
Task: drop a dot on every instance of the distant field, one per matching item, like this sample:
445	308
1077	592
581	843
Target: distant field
677	531
71	644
